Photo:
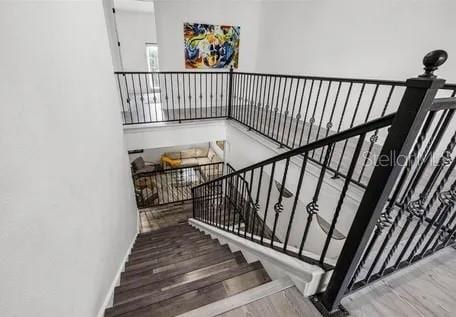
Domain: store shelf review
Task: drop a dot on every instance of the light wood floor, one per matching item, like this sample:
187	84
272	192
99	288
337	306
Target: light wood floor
426	289
155	218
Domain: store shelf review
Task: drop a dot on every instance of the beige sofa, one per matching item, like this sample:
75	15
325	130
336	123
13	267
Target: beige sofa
190	157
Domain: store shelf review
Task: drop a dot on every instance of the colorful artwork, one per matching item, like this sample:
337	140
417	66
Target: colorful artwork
211	46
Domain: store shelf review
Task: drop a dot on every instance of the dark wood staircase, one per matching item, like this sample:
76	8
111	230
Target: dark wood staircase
176	269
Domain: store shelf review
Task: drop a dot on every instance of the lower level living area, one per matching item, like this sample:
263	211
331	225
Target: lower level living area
166	175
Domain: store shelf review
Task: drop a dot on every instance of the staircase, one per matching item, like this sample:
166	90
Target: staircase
176	269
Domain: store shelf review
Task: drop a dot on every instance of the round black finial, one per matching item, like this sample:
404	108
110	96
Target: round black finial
432	61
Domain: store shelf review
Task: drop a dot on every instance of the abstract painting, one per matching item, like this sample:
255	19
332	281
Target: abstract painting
211	46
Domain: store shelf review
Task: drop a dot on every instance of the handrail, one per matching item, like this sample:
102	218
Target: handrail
171	72
366	127
327	78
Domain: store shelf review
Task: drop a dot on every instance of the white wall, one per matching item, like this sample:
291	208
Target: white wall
355	38
67	210
108	5
158	136
135	30
171	15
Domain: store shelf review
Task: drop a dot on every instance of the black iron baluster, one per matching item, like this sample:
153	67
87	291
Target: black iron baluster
351	169
121	100
307	110
263	104
298	115
173	103
329	125
128	98
373	139
179	98
278	207
211	96
351	125
134	94
258	103
312	208
257	201
148	100
280	112
285	114
201	94
292	113
312	119
322	115
295	202
276	109
249	101
242	203
154	98
141	97
195	98
271	105
267	202
168	117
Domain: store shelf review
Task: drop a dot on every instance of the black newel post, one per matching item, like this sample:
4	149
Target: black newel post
414	106
230	92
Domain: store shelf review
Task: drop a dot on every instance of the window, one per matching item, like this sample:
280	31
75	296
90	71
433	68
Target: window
152	57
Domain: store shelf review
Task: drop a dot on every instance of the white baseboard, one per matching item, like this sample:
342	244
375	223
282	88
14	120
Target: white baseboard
309	279
109	299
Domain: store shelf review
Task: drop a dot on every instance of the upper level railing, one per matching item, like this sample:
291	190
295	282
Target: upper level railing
405	211
151	97
290	110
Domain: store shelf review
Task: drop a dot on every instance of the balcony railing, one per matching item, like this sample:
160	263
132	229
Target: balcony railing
290	110
151	97
172	185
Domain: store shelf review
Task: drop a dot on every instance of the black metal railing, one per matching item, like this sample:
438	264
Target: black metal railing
290	110
151	97
406	209
265	210
172	185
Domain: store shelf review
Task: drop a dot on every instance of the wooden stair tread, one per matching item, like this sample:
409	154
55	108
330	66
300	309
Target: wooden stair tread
182	267
183	297
171	236
173	258
177	280
161	267
173	249
189	267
